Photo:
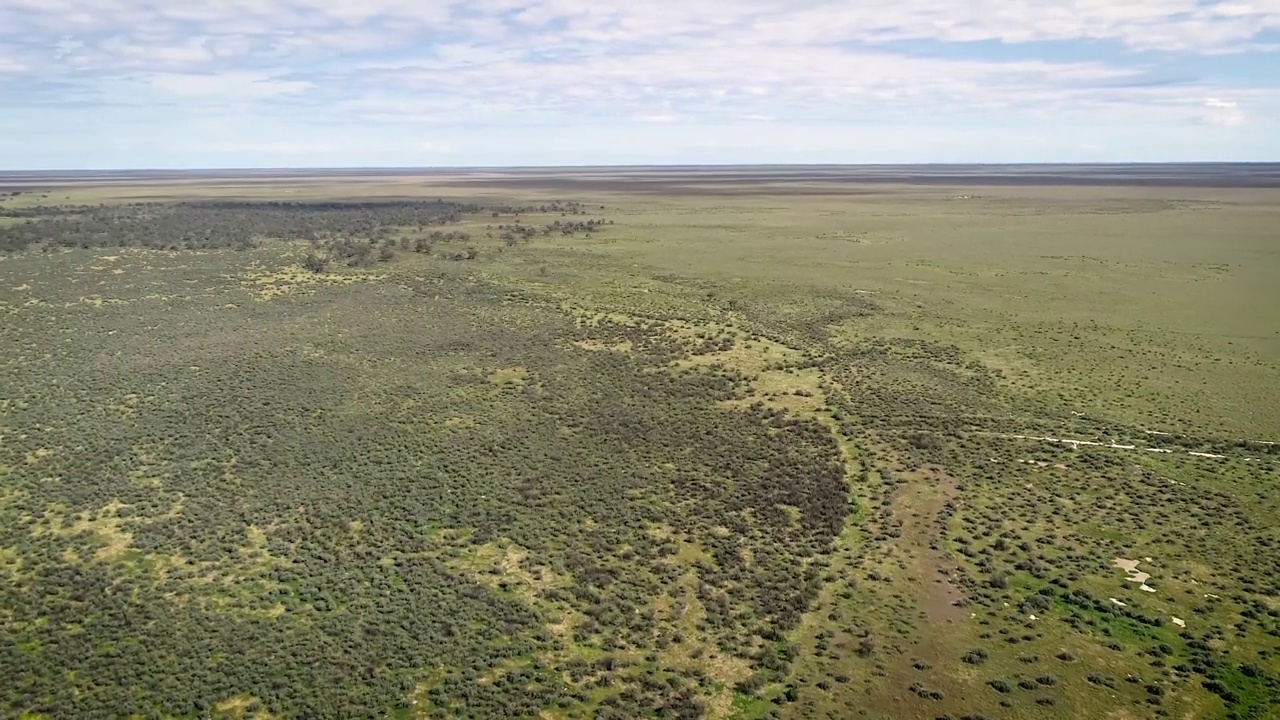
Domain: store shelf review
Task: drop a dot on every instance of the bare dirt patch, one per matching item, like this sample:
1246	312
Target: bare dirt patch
917	507
919	511
1135	575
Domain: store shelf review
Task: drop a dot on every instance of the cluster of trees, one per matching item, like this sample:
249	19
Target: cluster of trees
362	253
564	207
382	246
518	231
225	224
352	253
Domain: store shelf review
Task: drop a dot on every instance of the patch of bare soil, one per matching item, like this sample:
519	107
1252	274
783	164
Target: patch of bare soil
918	506
919	509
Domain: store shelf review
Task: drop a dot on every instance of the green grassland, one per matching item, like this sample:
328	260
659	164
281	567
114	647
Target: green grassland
730	454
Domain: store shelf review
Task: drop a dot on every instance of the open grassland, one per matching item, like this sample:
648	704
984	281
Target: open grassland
901	452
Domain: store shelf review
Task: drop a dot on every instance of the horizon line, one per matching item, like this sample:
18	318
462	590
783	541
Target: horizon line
625	166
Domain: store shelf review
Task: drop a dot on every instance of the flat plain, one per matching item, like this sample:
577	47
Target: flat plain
729	443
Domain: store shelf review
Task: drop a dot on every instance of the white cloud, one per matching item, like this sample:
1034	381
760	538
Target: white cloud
226	86
511	66
189	52
1223	113
753	80
1167	24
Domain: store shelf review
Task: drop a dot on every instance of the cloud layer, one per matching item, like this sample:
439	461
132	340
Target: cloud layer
190	82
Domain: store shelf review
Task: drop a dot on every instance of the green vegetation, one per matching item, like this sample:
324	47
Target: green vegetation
885	455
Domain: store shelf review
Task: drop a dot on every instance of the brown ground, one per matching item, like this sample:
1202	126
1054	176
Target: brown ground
918	506
939	596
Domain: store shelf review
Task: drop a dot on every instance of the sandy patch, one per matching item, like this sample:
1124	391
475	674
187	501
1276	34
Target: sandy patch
1135	575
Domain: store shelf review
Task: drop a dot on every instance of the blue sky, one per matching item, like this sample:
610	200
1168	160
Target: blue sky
324	83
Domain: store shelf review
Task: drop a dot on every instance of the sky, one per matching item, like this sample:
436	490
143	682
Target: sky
104	84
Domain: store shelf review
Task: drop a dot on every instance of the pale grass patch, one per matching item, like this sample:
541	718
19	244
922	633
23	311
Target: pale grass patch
623	346
502	562
774	382
103	524
241	707
686	613
592	318
271	284
10	563
509	376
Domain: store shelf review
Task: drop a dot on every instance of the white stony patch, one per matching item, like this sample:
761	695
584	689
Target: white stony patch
1131	567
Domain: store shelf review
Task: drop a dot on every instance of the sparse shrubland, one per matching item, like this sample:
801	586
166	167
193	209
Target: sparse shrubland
482	459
